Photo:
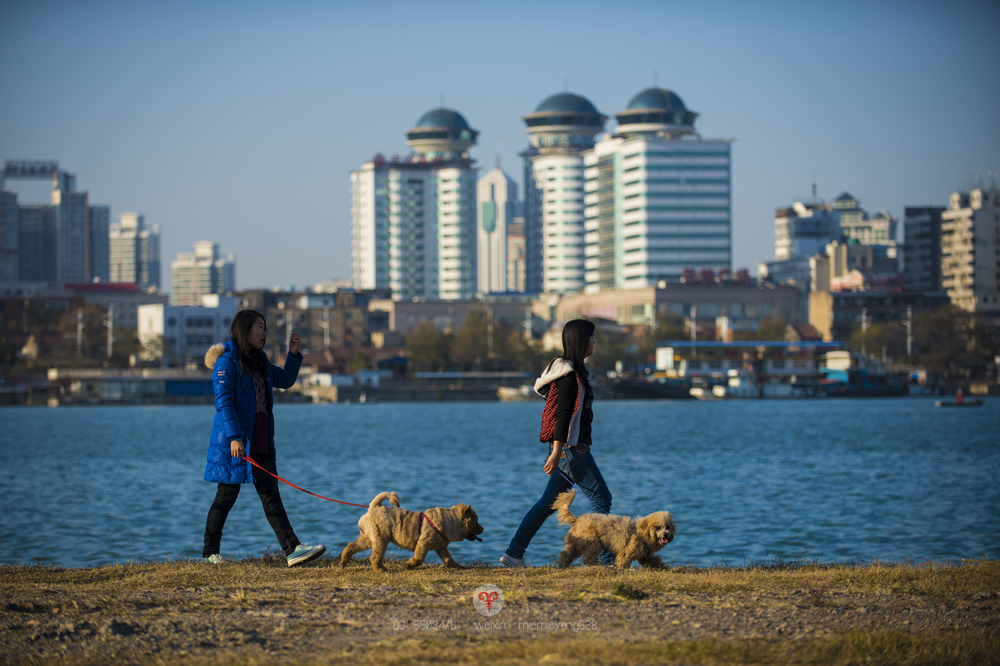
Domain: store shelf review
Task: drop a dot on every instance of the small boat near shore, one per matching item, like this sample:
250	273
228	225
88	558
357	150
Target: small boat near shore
974	402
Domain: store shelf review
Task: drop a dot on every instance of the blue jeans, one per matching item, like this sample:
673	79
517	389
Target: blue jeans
582	469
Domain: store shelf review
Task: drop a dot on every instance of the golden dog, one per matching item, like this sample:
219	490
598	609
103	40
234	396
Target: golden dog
629	540
412	530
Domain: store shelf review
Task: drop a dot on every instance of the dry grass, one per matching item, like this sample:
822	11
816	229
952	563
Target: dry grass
259	611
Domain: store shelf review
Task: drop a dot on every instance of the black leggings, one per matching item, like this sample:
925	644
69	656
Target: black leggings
267	489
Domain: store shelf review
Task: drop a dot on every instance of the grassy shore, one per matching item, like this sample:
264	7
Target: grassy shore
257	611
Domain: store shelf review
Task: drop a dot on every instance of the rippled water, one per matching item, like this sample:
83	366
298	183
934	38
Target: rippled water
835	480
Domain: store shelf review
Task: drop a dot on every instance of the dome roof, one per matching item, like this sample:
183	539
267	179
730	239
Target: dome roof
443	118
564	102
656	111
657	98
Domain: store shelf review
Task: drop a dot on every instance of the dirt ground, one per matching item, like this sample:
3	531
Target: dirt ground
258	611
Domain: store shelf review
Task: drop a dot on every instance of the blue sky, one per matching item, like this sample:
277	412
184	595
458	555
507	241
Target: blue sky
239	122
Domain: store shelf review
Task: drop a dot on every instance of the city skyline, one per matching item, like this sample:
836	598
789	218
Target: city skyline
241	128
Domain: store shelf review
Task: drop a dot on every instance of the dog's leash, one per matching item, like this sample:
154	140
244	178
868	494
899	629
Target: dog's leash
328	499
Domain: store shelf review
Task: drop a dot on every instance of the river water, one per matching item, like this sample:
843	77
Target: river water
830	480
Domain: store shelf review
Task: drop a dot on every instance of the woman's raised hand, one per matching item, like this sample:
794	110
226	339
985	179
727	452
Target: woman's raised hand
293	344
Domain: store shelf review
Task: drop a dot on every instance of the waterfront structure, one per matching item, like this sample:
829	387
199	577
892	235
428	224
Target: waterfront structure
185	332
803	230
657	197
135	251
560	130
53	241
922	247
970	251
204	271
496	194
838	315
413	219
99	259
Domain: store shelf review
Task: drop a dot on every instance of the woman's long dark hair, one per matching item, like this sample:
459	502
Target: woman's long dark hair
255	361
576	336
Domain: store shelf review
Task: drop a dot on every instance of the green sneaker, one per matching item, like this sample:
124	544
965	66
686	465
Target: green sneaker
305	553
214	558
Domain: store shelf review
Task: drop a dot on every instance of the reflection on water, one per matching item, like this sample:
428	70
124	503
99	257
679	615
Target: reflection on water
834	480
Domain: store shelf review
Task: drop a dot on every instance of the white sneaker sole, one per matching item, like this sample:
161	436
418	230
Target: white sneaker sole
308	556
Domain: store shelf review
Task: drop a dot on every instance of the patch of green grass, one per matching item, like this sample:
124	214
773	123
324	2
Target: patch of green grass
626	591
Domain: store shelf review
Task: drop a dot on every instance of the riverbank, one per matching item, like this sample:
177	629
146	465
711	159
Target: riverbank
258	611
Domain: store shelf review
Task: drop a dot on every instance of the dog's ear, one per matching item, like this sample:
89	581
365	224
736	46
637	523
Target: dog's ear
464	509
645	526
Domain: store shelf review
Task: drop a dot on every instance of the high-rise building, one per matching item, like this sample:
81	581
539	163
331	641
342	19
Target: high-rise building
970	250
517	255
99	243
204	271
657	197
55	242
413	219
804	230
496	194
8	237
922	247
560	129
135	252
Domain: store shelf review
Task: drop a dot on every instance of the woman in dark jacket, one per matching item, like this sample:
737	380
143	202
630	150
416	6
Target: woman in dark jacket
243	380
569	456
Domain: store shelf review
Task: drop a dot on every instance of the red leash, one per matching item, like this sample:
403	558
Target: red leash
328	499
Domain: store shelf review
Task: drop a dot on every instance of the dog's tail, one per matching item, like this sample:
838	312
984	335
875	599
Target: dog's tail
381	497
561	505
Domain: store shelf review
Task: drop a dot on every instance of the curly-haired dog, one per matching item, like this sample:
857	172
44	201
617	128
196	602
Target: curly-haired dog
629	540
412	530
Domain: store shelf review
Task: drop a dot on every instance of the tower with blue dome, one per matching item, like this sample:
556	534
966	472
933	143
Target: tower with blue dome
659	197
560	130
413	217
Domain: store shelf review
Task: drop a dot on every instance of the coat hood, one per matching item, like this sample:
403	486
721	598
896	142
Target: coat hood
556	369
214	352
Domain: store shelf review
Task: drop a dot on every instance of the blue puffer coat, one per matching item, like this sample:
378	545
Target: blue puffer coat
235	409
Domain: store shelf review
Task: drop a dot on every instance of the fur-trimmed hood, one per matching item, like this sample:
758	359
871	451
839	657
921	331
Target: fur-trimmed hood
213	354
556	369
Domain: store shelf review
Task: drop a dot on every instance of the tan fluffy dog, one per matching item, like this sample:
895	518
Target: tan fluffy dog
629	540
383	525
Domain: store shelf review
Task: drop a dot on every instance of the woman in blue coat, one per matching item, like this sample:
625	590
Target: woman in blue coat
243	380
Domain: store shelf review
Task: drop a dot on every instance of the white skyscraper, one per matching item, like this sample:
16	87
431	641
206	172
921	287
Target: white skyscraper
135	252
657	197
413	219
204	271
496	193
560	129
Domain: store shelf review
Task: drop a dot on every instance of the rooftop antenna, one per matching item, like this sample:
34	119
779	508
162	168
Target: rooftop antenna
496	149
814	187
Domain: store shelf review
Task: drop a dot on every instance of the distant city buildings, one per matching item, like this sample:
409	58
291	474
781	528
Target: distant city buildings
803	230
970	251
560	130
100	247
496	193
413	219
657	197
202	272
922	247
180	333
50	243
135	252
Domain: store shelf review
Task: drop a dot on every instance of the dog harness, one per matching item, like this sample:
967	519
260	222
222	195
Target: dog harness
424	517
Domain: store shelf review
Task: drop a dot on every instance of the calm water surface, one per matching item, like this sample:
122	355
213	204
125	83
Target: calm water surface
834	480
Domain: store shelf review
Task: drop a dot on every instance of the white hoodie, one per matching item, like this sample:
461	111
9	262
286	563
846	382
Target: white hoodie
559	368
